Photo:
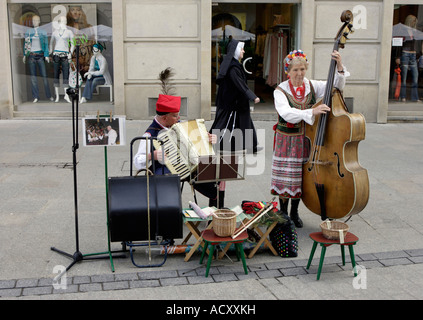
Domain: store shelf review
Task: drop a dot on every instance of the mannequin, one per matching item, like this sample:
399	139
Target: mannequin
36	50
98	73
61	47
77	20
409	62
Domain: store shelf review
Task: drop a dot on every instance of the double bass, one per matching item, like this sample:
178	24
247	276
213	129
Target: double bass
334	183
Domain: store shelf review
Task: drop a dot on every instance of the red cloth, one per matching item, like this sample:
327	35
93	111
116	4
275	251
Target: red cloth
166	103
251	207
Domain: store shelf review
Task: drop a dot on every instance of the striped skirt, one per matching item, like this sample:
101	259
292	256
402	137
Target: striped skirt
288	157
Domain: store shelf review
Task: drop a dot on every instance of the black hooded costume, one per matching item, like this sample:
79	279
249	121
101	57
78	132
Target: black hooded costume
233	107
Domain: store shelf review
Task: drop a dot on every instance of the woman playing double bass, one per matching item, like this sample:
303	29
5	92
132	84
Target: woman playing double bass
293	101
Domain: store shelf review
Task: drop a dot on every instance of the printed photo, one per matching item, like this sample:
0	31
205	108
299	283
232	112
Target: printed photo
103	130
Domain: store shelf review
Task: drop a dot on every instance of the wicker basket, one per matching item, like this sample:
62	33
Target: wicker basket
331	229
224	222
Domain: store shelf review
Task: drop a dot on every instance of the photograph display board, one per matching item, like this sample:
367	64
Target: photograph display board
103	130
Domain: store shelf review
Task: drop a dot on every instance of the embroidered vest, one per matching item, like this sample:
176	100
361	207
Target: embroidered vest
295	129
154	130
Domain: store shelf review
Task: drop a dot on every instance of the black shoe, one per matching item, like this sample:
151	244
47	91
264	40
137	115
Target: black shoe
294	213
283	203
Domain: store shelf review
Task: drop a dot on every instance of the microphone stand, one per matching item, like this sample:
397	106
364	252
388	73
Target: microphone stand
77	256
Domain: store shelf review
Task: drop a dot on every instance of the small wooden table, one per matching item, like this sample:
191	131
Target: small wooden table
212	239
192	225
350	240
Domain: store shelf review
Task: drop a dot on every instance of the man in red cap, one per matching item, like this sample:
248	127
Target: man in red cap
167	109
167	114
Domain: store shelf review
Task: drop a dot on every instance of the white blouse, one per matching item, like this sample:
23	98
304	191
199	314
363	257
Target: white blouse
294	115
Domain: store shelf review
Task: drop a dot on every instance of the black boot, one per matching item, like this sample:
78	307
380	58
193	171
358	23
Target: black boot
283	203
294	213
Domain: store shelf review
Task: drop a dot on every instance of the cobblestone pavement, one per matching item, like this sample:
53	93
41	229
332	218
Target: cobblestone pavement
223	273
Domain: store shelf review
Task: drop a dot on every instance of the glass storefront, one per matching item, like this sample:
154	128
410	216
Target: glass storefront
45	39
270	32
406	70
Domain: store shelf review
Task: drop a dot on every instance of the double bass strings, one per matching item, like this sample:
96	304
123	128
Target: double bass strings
321	127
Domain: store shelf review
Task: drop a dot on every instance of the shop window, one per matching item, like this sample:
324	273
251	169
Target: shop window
406	72
43	42
269	31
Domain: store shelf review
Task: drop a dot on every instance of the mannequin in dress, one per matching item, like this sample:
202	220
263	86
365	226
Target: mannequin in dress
61	47
36	52
98	73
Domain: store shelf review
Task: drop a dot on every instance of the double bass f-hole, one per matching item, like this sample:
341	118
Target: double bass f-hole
338	165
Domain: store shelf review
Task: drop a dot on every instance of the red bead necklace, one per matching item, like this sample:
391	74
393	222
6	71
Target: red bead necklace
297	93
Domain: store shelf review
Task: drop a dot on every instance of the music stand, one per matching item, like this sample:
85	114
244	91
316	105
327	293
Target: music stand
220	167
77	256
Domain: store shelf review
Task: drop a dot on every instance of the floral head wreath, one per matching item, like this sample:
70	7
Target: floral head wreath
292	55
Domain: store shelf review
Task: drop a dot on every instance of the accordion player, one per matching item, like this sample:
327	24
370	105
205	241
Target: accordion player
183	144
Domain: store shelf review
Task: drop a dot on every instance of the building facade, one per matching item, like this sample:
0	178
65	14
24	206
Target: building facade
140	38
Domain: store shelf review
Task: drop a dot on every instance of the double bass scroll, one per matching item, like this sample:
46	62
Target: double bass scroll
334	183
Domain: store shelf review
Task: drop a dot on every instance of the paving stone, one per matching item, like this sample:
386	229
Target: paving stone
187	273
415	252
293	271
199	279
417	259
366	256
81	279
280	264
268	274
36	291
243	276
43	282
25	283
103	278
157	274
257	267
224	277
144	283
7	284
391	254
173	281
86	287
395	262
370	264
10	292
212	270
116	285
73	288
126	276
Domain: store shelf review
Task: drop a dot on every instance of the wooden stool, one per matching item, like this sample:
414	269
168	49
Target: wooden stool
350	240
210	238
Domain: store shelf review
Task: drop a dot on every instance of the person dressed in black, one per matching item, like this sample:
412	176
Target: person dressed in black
233	124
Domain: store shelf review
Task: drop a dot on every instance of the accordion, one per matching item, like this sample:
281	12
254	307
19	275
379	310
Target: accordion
184	144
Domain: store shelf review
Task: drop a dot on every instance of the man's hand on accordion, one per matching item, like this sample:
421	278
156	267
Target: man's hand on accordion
158	155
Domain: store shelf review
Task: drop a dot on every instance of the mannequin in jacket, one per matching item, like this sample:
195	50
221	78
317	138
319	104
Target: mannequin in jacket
36	53
61	47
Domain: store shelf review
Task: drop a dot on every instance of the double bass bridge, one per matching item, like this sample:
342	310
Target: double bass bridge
327	163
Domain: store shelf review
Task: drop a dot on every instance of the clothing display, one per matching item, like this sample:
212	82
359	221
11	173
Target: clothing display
99	75
61	45
36	51
275	49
